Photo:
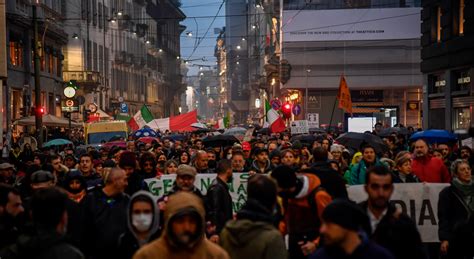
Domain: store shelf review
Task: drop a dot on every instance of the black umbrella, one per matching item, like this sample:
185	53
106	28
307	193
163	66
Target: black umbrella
264	131
389	131
175	137
356	140
304	138
316	130
220	141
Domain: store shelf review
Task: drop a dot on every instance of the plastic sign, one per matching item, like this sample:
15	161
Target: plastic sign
296	109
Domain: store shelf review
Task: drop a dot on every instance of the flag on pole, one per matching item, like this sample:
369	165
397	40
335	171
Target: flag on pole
344	96
275	122
140	119
222	123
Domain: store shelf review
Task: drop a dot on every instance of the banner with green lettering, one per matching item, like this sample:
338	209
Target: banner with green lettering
237	189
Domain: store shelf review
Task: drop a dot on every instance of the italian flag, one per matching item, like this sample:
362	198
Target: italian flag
140	119
222	123
275	122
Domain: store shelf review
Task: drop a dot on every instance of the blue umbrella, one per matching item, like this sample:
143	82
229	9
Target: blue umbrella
57	142
145	132
434	136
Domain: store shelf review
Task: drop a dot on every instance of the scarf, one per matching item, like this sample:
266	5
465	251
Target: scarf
467	191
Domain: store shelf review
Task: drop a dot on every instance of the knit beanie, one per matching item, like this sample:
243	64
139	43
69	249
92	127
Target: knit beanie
346	214
128	158
285	176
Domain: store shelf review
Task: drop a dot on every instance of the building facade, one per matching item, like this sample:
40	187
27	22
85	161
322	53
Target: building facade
448	63
374	44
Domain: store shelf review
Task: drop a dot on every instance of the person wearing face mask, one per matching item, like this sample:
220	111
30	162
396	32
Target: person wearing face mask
50	218
143	222
218	199
303	202
211	159
183	234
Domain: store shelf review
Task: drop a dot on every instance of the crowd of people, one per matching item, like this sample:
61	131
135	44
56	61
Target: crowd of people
94	202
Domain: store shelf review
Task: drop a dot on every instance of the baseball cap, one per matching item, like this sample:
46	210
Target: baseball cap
4	166
186	170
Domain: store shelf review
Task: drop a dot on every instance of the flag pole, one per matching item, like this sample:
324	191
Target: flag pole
332	114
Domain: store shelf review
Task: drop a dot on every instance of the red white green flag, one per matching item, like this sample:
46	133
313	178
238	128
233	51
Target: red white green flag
275	122
140	119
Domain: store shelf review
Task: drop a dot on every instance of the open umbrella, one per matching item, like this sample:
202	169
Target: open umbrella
434	136
57	142
147	140
175	137
304	138
145	132
111	144
235	131
199	125
220	141
316	130
393	130
356	140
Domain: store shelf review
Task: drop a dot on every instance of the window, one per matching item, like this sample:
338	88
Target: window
461	118
16	53
439	14
437	83
50	64
100	18
94	12
58	65
463	80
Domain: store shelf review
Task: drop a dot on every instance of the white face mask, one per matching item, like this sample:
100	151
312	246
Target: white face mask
142	221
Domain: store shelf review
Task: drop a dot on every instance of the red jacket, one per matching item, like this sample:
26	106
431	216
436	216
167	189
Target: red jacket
430	169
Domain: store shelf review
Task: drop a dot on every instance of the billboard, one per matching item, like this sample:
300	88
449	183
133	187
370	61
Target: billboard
351	24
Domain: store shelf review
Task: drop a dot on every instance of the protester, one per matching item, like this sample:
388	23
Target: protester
288	158
261	163
218	199
184	158
75	186
128	162
93	179
238	162
253	235
105	216
11	208
427	168
403	172
201	163
58	169
171	167
142	222
50	218
303	203
147	164
358	171
390	227
455	210
70	162
183	235
465	153
331	180
343	236
7	173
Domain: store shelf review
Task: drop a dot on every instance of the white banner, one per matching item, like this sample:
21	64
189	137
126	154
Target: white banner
351	24
418	200
299	127
238	188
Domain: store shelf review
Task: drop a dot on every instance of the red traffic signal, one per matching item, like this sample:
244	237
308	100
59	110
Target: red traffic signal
286	110
40	110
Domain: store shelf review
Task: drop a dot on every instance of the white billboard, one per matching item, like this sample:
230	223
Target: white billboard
361	124
351	24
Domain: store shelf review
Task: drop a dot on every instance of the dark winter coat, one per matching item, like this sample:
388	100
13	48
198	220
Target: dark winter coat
455	222
398	233
219	204
366	250
411	178
252	235
44	245
135	183
105	219
331	181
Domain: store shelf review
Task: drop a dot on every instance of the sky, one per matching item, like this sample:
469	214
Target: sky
198	25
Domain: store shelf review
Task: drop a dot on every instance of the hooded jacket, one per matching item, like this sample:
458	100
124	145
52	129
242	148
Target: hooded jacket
359	171
252	235
256	168
128	242
165	247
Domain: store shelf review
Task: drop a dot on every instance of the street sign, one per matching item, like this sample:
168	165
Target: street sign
296	109
276	104
313	120
299	127
69	105
123	108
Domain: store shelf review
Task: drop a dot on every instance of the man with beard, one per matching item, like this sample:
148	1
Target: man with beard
343	236
390	228
465	153
218	199
211	159
428	168
11	207
201	163
183	235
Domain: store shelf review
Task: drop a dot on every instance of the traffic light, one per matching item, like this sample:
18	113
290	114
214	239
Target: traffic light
86	115
41	111
37	110
286	110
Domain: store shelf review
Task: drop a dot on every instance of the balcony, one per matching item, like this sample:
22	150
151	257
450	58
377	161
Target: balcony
86	80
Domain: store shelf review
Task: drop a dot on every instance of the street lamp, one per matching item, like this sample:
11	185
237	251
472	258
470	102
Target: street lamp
120	13
238	47
257	103
75	36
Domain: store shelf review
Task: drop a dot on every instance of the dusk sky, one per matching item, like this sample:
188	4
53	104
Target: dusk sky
194	10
